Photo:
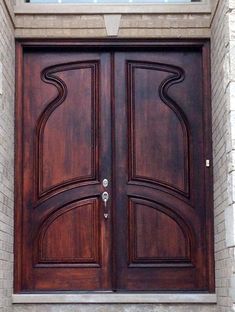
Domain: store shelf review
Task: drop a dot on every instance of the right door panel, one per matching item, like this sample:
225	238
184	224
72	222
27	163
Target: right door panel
160	154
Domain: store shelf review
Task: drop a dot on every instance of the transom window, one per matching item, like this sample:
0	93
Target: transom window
112	1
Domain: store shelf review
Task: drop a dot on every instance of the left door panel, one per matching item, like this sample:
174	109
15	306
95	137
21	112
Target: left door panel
65	151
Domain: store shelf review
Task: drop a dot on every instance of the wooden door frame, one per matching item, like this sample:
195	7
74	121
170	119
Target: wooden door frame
22	45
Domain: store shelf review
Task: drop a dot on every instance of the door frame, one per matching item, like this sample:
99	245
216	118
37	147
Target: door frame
202	45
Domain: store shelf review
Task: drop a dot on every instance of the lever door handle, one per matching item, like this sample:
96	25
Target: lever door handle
105	198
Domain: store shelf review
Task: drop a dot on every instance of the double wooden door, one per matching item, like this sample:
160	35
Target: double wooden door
111	171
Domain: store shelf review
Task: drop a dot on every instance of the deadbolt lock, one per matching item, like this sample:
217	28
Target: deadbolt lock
105	183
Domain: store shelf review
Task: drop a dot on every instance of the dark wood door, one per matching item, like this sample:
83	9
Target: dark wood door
160	175
139	120
66	152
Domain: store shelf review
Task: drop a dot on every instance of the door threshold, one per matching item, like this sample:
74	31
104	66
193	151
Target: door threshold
114	297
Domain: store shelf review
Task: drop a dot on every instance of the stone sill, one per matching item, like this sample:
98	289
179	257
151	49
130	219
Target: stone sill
109	297
179	8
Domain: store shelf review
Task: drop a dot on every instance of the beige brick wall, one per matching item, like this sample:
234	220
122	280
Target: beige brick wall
223	114
6	155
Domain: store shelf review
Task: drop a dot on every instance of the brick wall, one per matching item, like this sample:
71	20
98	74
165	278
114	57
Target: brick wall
6	155
223	112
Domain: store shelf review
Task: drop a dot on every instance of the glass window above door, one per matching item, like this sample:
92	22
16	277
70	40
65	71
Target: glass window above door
112	1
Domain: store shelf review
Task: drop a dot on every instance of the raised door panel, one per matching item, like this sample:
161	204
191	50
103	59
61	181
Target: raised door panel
67	129
158	237
65	241
71	235
157	127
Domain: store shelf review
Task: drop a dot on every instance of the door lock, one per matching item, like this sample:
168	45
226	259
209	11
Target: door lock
105	198
105	183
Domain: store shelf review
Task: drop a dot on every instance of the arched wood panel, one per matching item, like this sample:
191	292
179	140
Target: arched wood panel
158	237
71	235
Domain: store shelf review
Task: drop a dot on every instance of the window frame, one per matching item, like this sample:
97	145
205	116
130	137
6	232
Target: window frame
103	8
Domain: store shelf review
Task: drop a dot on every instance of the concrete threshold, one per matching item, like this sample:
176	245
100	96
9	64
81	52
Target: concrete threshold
111	297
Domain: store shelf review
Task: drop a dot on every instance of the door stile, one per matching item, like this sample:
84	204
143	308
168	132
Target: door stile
208	181
18	170
120	165
105	141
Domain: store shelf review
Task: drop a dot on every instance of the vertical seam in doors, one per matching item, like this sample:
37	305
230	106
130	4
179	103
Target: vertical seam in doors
113	148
